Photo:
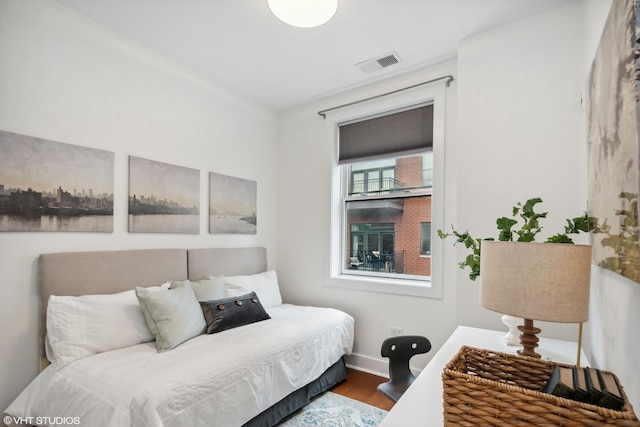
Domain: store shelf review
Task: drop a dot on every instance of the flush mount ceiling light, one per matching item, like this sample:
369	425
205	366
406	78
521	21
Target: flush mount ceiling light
304	13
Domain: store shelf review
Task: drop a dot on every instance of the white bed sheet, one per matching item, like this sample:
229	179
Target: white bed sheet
223	379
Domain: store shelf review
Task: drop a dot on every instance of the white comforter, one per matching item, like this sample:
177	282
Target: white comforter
224	379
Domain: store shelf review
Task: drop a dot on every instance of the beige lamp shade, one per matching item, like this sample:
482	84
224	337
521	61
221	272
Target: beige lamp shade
538	281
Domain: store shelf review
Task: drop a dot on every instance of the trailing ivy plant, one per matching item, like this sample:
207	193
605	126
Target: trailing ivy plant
524	214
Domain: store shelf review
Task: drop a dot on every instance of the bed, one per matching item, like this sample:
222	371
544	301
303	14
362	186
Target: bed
251	375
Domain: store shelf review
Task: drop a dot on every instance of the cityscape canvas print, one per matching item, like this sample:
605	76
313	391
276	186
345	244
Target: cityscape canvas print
612	120
232	205
52	186
163	198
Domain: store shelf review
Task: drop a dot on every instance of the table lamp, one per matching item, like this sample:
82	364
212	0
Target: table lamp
536	281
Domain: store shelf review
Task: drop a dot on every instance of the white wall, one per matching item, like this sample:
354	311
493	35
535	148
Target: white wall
67	79
613	329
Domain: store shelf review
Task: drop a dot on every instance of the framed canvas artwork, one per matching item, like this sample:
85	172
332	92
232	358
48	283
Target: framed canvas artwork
52	186
232	205
163	198
612	134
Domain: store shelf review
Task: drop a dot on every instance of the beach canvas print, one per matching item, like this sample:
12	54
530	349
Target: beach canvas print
53	186
612	120
163	198
232	205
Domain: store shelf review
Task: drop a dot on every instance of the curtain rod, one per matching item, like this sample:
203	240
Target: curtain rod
323	113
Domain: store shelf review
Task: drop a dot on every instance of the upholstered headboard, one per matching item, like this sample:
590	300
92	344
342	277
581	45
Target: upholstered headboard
108	272
203	263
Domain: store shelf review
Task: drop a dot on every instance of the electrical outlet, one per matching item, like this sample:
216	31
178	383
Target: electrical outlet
396	331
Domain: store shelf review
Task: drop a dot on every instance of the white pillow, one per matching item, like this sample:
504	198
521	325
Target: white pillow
207	289
265	285
235	291
173	316
90	324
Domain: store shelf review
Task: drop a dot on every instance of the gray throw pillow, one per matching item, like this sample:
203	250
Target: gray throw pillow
207	289
173	316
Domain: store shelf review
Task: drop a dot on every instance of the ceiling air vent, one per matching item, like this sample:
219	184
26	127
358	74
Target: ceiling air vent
376	64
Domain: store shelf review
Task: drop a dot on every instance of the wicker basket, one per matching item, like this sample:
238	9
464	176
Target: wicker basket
488	388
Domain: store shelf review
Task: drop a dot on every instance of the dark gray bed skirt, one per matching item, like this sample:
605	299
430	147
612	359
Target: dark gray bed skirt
296	400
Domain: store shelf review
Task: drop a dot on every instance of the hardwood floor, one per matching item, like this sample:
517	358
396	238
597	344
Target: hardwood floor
363	387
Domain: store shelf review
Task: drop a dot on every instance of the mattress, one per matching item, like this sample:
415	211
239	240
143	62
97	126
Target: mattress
223	379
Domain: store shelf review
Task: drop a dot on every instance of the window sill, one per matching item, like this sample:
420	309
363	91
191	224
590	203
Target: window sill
418	288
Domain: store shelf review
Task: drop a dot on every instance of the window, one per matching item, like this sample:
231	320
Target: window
386	196
425	238
427	170
372	177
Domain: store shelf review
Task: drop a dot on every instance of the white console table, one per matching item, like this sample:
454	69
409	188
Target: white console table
421	404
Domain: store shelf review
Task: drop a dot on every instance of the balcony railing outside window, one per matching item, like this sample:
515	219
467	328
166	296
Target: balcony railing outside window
389	262
375	186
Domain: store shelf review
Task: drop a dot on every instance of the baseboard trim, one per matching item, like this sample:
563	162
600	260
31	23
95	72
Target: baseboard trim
368	364
371	365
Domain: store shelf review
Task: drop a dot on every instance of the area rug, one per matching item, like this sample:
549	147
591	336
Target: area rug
333	410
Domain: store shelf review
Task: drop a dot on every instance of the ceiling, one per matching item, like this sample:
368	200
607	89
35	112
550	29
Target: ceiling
242	45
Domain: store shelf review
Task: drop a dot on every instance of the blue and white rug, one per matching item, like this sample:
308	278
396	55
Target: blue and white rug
333	410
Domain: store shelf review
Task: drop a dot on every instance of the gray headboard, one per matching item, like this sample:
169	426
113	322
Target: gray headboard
108	272
203	263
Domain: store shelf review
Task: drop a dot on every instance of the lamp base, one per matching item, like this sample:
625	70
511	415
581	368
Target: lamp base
529	339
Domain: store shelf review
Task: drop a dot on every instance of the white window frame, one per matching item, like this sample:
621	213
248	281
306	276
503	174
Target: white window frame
389	283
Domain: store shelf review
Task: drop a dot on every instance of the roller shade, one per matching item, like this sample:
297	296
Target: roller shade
404	132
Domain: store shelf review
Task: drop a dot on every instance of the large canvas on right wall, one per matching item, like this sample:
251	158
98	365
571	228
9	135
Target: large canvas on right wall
613	151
